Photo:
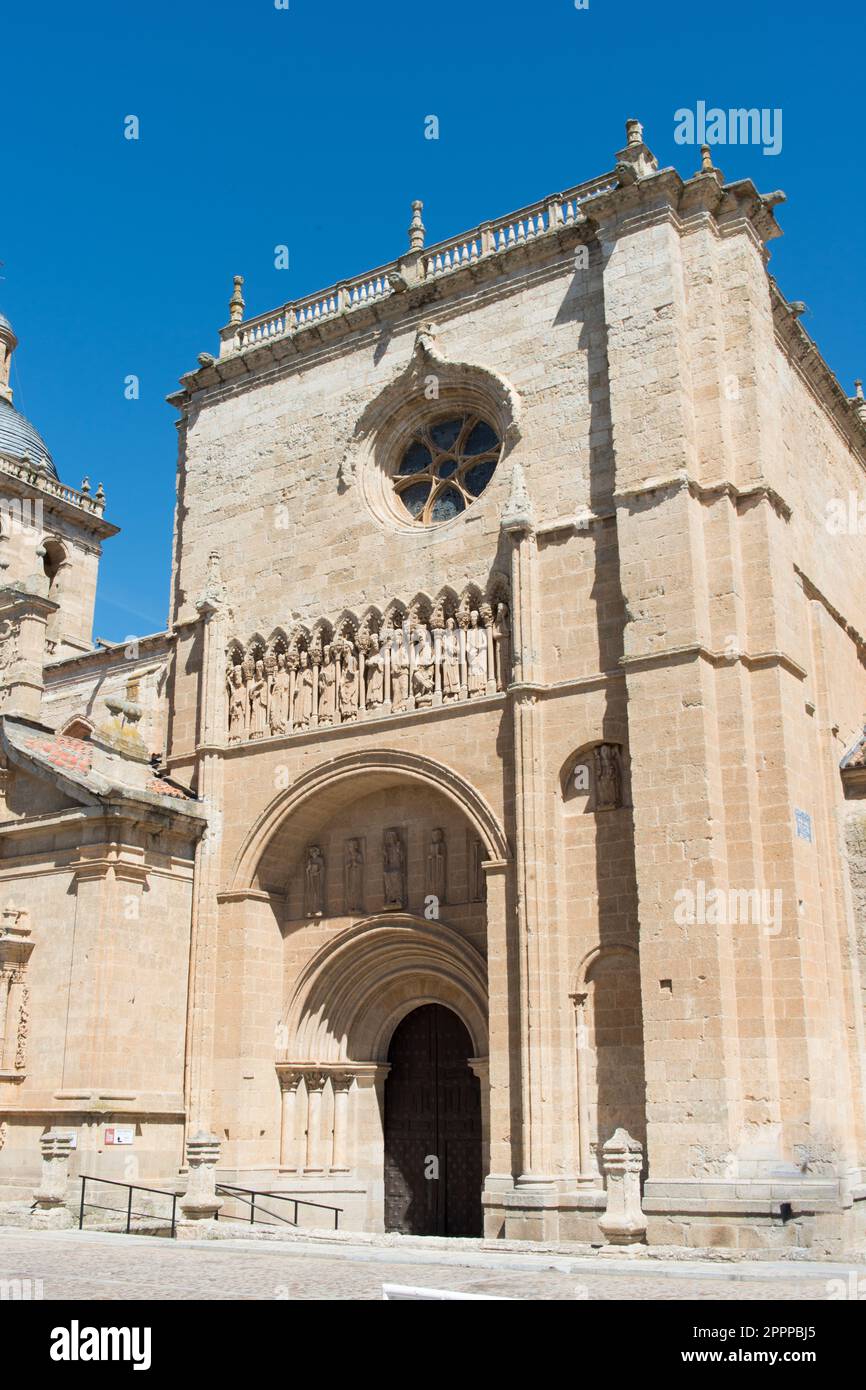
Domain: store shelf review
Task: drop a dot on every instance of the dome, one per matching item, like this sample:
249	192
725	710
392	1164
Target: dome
18	438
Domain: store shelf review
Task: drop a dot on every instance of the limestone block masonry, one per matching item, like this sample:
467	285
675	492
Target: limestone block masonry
481	848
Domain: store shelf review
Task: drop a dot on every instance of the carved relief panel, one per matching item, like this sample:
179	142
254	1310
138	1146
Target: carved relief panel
429	653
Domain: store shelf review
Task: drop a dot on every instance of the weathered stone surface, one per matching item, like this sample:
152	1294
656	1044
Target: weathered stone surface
565	763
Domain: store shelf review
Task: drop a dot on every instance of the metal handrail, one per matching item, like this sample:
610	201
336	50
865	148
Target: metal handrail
131	1187
244	1192
225	1189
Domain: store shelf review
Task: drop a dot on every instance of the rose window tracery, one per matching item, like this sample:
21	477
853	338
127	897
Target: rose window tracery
445	467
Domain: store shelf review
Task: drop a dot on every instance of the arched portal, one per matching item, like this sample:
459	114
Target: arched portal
433	1171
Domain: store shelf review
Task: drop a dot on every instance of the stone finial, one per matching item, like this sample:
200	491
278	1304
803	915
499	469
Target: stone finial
623	1222
236	303
200	1202
416	228
518	513
707	165
637	160
858	401
214	592
85	486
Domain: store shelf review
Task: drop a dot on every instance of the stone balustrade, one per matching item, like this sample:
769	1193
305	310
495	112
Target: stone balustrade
457	253
39	478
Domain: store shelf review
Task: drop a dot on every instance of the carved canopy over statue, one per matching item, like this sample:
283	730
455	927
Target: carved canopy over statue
411	657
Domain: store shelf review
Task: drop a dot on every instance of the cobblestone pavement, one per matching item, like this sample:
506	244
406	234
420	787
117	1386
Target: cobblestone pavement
90	1265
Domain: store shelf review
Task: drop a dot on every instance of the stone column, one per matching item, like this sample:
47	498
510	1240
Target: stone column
5	979
437	665
315	1081
206	882
503	1105
200	1202
535	923
412	654
462	621
341	1083
480	1067
487	620
26	609
623	1222
290	722
314	715
386	687
589	1175
50	1196
289	1083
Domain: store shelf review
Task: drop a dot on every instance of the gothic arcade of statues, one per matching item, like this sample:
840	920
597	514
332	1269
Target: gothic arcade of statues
456	648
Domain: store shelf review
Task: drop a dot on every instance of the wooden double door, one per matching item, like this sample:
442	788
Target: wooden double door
432	1128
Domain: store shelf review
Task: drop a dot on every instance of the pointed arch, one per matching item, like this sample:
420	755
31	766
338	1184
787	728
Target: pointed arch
389	766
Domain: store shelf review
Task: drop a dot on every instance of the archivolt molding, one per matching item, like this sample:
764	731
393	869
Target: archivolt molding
390	763
351	995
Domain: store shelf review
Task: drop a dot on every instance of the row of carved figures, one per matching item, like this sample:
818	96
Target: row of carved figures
394	886
410	661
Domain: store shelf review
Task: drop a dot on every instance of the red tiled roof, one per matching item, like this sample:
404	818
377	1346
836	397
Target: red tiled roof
161	788
63	752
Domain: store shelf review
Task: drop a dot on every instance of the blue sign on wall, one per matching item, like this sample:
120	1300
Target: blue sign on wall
804	825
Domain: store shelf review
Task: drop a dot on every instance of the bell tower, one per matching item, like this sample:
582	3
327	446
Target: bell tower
50	542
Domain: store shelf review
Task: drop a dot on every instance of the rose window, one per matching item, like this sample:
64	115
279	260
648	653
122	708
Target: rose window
445	466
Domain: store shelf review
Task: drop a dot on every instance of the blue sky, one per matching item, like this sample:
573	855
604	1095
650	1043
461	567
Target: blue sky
305	127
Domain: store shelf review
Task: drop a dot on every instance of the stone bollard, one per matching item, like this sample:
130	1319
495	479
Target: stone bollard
50	1197
200	1202
623	1223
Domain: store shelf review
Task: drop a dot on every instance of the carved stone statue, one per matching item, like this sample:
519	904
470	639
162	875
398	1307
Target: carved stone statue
353	873
450	649
374	673
393	870
437	865
399	672
502	646
279	703
423	674
349	684
476	656
608	781
238	705
328	687
314	882
258	702
302	710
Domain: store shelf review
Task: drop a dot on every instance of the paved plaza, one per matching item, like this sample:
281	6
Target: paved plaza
95	1265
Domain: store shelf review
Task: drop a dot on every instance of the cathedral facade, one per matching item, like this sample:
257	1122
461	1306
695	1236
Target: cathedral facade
497	785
